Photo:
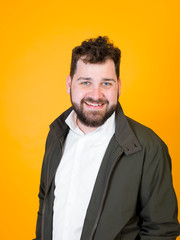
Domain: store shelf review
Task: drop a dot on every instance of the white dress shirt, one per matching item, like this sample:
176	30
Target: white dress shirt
76	176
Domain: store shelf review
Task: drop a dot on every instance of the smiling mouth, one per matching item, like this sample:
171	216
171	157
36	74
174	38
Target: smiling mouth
94	104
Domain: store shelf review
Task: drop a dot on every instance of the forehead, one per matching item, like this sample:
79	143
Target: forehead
105	69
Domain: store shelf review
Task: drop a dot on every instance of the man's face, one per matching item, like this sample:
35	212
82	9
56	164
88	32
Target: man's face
94	92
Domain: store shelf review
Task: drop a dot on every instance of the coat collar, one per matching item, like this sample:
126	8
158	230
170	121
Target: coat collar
124	134
59	126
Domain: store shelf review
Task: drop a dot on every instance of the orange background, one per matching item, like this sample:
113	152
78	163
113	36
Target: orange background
36	42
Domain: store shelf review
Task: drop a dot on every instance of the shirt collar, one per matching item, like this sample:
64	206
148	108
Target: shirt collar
108	128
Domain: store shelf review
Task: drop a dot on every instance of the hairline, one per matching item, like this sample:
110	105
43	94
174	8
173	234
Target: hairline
98	62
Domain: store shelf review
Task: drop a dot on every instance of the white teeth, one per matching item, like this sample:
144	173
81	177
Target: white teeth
94	104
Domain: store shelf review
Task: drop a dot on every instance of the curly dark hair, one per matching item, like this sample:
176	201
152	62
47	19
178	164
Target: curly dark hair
95	50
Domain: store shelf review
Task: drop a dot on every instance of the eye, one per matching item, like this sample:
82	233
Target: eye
85	83
106	83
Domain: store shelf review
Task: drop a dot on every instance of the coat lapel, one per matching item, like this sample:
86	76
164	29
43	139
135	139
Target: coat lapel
60	130
100	189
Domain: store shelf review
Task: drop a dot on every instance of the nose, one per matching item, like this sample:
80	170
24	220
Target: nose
96	93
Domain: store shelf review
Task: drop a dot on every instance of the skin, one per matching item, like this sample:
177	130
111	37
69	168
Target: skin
94	89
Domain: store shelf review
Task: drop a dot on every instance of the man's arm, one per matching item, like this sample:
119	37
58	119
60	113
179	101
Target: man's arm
158	200
41	194
39	218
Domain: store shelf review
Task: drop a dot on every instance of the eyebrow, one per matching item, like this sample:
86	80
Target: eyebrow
109	79
89	78
84	78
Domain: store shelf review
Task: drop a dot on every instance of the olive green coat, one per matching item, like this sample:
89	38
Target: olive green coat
133	197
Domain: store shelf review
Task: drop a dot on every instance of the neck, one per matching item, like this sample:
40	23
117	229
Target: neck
85	129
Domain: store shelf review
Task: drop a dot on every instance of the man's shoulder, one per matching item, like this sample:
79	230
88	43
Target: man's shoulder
58	127
60	120
145	135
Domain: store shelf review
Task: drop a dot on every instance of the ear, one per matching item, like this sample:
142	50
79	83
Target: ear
68	84
119	85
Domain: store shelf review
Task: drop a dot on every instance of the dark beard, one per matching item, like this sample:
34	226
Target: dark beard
92	118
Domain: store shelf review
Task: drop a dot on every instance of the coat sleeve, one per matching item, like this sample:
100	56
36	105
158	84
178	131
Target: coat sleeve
158	200
41	194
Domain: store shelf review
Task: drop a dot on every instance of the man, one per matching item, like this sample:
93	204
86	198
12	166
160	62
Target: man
104	176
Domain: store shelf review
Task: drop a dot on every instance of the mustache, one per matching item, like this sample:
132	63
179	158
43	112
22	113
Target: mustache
97	101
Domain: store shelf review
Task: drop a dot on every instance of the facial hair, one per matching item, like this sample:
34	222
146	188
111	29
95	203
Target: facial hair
93	118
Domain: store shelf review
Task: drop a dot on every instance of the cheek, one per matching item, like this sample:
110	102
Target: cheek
76	94
112	96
